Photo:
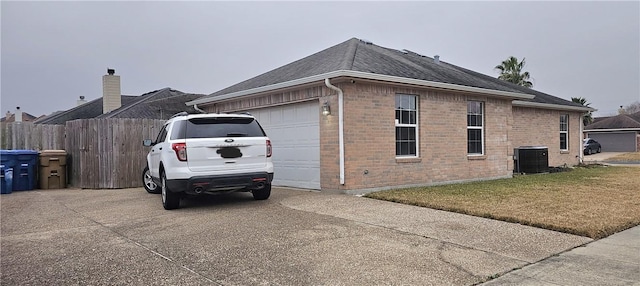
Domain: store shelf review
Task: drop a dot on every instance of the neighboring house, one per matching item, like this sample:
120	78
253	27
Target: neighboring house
158	104
620	133
358	117
21	117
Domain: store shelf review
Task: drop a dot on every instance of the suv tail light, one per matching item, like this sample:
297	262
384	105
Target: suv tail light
268	148
181	150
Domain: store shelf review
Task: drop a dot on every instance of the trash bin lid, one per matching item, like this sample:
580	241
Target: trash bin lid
25	152
18	152
53	152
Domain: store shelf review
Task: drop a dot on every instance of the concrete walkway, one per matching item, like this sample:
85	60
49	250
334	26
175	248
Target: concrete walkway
614	260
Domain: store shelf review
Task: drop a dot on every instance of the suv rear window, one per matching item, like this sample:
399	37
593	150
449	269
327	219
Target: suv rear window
217	127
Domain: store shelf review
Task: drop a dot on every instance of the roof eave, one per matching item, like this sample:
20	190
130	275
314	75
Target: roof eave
363	75
532	104
612	129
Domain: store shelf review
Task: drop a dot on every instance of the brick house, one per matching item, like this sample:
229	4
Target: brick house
357	117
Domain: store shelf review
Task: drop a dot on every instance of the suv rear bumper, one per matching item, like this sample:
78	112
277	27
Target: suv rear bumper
221	183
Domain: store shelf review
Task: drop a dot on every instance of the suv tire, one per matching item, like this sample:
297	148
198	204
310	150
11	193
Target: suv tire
262	194
148	183
170	200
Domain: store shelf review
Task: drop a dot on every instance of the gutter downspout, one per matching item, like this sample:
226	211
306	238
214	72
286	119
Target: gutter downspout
340	125
582	138
195	106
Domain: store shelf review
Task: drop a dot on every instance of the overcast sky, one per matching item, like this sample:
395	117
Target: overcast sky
54	52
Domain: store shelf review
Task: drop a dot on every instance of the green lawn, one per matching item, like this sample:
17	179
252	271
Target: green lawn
588	201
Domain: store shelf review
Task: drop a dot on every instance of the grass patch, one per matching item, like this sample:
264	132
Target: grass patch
626	157
593	202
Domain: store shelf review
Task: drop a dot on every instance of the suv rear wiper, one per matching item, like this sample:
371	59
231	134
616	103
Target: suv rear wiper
236	134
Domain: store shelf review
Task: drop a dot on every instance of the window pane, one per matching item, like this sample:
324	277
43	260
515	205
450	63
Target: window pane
563	141
564	122
405	141
474	120
474	113
474	141
474	107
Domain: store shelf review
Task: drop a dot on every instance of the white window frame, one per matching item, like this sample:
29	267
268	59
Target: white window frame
415	126
481	128
566	131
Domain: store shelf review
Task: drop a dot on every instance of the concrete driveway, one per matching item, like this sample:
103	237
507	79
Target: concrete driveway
600	157
125	237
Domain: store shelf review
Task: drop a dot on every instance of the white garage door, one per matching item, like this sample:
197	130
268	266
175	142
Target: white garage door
295	136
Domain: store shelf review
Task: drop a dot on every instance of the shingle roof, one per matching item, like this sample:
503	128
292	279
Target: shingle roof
91	109
26	117
361	56
158	104
620	121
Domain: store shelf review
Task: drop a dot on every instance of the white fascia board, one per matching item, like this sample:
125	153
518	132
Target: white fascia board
363	75
613	130
552	106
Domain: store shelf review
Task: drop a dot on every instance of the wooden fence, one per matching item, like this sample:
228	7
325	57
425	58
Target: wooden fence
103	153
29	136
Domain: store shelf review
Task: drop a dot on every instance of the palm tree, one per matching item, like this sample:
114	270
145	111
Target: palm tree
587	119
511	71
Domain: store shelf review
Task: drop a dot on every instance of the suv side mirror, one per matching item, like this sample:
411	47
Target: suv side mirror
147	142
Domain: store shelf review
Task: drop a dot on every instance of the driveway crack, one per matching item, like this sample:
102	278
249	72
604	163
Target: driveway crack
169	259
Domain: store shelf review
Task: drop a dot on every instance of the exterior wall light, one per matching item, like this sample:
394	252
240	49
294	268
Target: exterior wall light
326	110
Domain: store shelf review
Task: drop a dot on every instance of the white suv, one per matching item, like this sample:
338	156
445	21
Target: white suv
208	154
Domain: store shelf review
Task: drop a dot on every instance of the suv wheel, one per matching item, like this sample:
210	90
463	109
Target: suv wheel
170	200
148	183
262	194
599	150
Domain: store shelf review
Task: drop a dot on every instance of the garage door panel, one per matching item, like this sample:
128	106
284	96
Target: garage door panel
295	136
616	142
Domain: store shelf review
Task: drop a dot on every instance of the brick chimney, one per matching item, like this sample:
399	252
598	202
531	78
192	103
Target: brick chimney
18	116
111	96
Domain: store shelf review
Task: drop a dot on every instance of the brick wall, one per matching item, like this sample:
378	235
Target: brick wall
370	139
541	127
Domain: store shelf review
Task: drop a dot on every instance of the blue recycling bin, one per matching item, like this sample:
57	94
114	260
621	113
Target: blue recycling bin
6	180
24	165
7	162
